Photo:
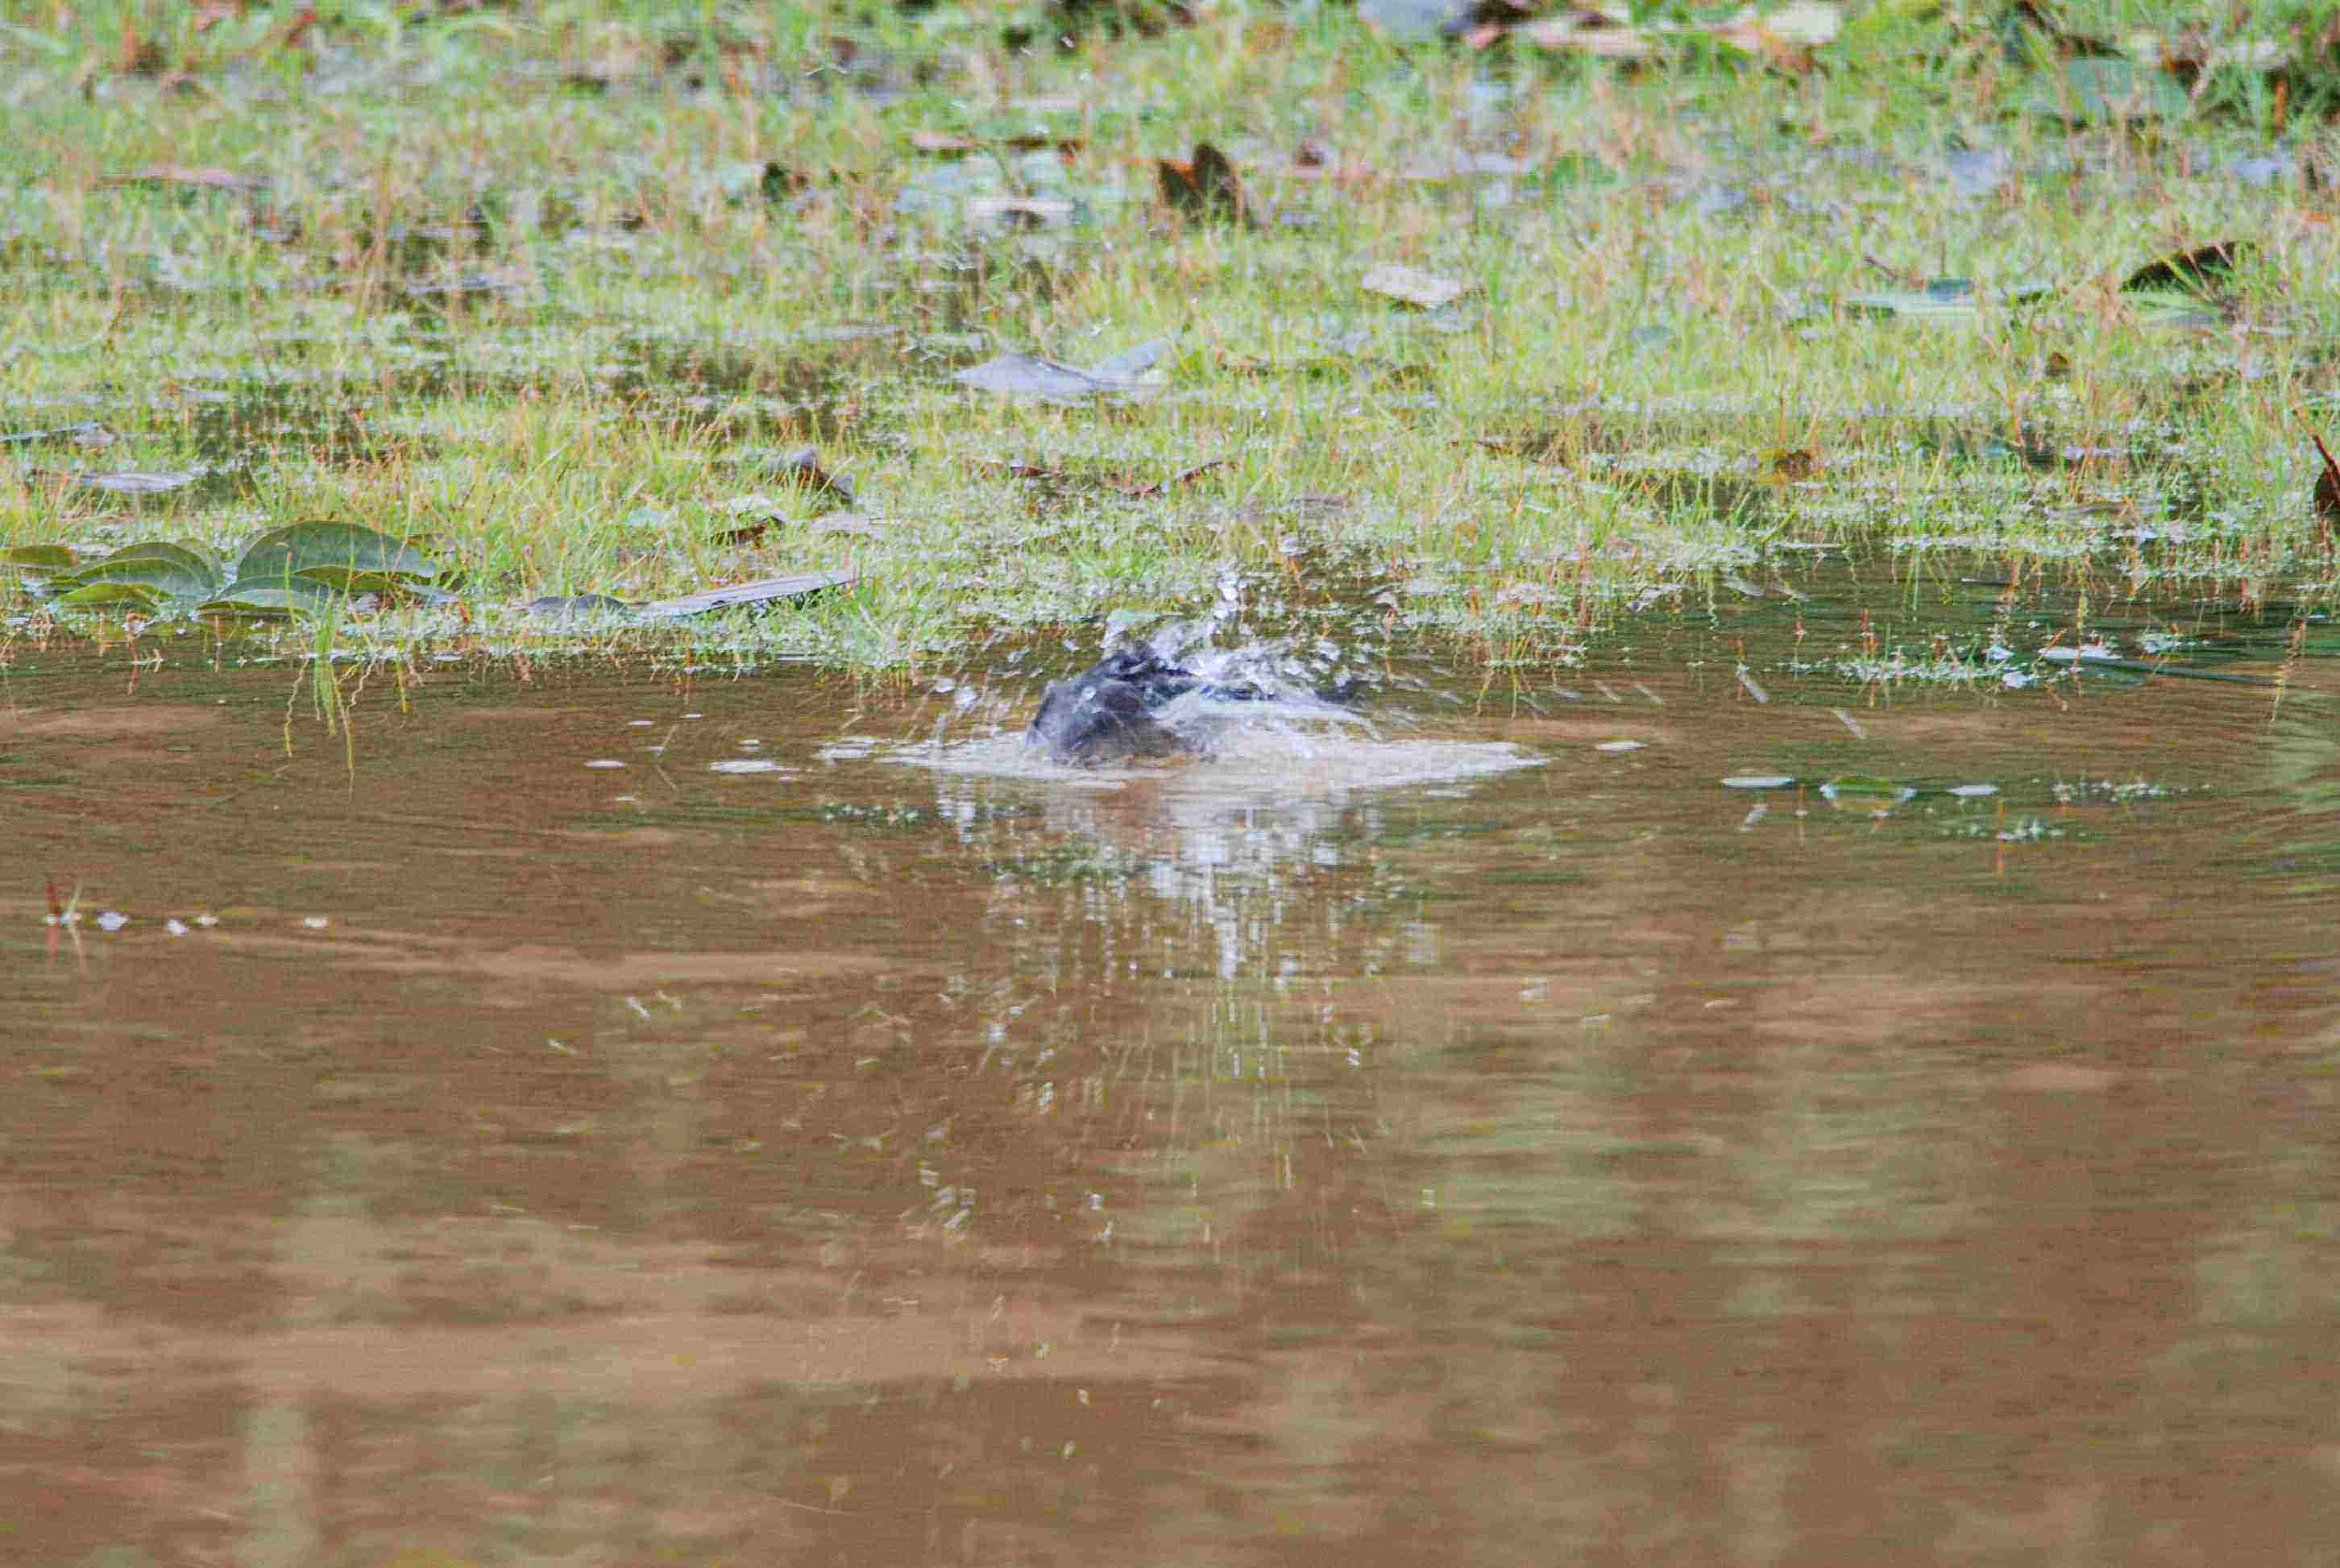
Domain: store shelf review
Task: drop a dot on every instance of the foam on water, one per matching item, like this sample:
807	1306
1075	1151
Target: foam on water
1252	759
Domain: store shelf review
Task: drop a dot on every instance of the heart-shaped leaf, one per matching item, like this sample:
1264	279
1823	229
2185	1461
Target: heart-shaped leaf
262	600
167	578
185	554
353	581
286	553
114	596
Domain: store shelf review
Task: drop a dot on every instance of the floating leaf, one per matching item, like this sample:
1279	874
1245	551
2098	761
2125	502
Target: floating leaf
167	578
41	557
303	547
114	595
350	580
1030	376
1412	286
192	558
262	600
791	590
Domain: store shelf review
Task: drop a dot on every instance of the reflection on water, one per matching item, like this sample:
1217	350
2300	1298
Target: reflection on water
564	1146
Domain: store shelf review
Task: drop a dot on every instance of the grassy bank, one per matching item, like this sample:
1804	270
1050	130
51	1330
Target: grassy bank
562	289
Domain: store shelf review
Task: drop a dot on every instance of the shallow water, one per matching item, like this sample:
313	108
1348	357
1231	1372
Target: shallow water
627	1121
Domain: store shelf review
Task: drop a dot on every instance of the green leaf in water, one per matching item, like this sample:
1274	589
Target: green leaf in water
187	555
40	557
284	553
353	581
114	596
162	579
258	599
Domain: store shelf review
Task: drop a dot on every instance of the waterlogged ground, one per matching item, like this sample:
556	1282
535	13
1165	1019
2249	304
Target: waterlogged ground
599	1118
1022	317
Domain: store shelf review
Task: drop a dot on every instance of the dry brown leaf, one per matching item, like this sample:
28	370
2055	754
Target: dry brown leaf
1203	186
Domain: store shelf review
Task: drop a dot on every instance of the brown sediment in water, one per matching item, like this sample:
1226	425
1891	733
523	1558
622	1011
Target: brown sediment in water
1145	1167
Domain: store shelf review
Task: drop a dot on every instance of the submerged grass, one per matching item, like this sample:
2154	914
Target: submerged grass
559	287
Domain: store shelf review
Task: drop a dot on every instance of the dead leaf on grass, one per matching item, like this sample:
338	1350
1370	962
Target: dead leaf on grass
2327	489
2201	268
1203	187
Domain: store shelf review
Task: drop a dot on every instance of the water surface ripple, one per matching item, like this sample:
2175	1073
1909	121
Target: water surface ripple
624	1123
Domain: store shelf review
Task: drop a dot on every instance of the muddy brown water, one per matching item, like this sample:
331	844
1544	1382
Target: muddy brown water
836	1159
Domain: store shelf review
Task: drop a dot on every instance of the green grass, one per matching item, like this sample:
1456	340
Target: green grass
1600	422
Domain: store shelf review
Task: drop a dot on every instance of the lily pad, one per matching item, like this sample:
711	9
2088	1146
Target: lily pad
1029	376
196	557
351	581
263	600
166	578
308	547
114	596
